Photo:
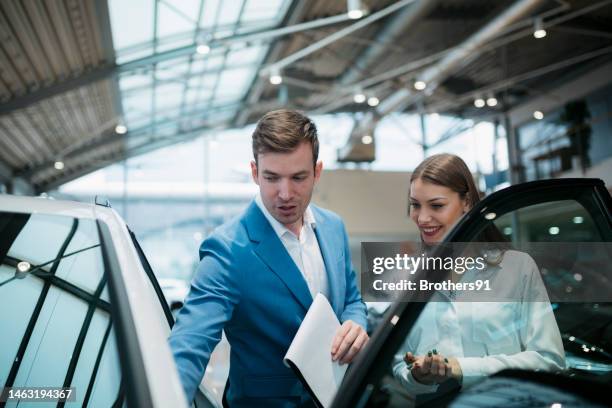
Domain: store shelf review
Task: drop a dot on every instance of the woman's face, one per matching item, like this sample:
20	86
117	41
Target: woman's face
434	209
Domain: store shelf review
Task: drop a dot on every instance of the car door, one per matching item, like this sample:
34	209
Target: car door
565	225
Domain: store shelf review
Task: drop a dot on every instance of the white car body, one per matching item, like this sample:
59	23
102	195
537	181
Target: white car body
151	326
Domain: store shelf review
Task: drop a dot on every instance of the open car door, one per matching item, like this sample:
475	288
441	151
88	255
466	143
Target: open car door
565	225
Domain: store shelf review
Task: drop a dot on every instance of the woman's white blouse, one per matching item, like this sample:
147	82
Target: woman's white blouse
487	337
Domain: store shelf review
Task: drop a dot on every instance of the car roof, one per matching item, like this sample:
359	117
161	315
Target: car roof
42	205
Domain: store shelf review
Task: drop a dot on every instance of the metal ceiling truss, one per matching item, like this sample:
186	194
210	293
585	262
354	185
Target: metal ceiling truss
341	93
256	89
139	136
144	147
458	56
59	96
46	43
215	89
113	70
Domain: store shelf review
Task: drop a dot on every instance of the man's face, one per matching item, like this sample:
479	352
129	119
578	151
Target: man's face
286	181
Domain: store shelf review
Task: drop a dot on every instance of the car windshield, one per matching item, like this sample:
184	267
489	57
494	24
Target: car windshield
54	303
24	267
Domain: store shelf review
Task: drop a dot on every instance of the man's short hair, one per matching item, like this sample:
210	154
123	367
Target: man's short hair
282	131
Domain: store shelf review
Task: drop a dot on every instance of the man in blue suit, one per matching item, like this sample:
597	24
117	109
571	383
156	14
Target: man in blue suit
259	274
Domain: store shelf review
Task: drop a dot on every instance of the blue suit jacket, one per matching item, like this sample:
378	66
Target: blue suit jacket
248	285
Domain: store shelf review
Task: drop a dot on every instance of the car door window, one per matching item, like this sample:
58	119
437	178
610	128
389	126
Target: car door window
55	314
556	221
573	255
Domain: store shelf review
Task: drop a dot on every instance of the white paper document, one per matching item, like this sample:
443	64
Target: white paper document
309	354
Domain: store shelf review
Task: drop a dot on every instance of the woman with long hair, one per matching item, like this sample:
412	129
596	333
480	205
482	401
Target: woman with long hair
456	337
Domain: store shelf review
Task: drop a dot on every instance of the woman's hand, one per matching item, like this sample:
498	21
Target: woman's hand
433	368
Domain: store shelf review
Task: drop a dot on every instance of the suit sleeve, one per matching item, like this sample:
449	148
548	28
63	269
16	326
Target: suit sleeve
211	301
354	308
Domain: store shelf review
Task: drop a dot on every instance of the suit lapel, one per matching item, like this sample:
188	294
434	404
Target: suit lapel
274	254
324	235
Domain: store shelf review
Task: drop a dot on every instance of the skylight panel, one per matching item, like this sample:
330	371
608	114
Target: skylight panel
256	10
126	29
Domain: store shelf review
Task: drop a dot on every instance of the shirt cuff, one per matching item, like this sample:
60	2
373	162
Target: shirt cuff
470	370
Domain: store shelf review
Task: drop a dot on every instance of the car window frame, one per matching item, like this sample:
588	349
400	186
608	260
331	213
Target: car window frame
152	278
365	374
134	381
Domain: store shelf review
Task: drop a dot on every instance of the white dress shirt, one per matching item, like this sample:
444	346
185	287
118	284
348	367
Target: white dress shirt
487	337
304	250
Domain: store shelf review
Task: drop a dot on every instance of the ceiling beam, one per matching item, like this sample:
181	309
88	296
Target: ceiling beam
113	69
139	137
67	177
88	78
388	34
140	149
327	40
258	85
108	48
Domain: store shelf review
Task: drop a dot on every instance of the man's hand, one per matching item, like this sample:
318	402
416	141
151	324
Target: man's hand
350	338
433	368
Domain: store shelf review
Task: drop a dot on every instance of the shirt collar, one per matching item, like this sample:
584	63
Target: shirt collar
279	228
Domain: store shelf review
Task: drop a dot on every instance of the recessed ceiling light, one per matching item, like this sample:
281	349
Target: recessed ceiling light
373	101
359	97
538	29
275	77
367	139
539	34
355	9
355	14
420	85
203	49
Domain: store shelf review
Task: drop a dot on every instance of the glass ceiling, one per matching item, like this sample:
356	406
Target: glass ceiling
172	90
